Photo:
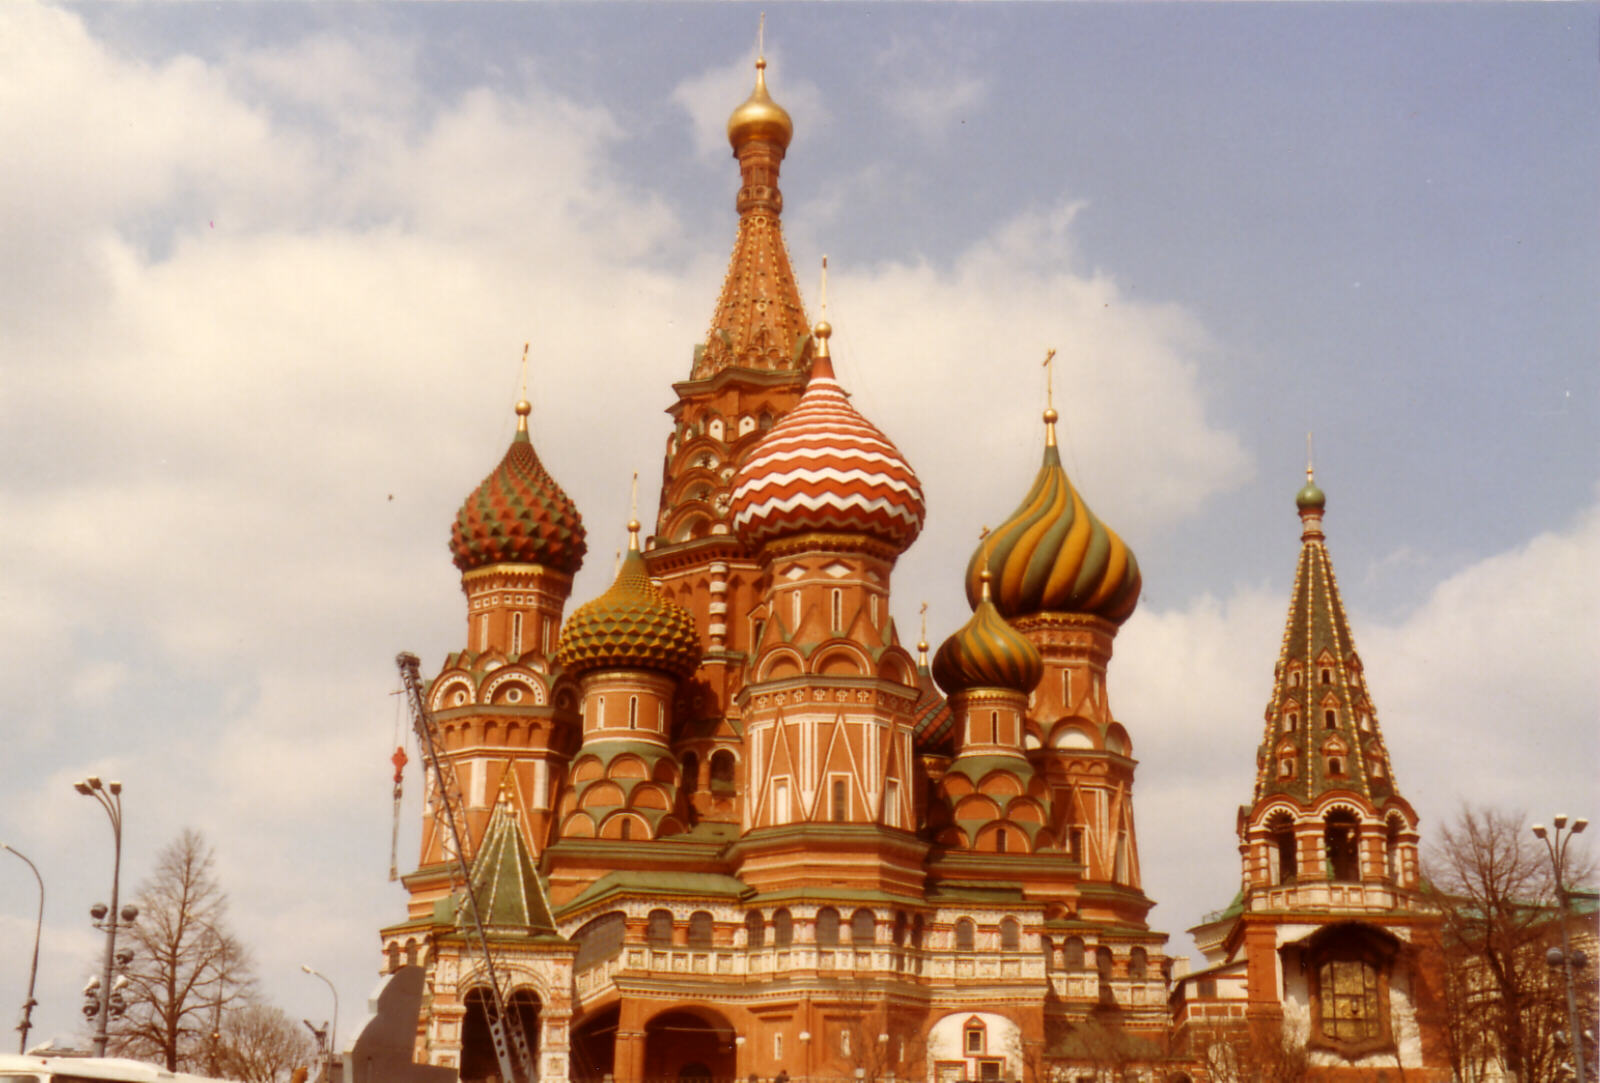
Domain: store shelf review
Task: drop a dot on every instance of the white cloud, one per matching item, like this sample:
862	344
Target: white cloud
925	87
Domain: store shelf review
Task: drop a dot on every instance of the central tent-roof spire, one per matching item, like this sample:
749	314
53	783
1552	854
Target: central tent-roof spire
759	323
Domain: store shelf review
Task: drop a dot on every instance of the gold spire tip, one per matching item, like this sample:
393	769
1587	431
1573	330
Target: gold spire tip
524	407
1310	471
633	514
761	41
922	640
1050	415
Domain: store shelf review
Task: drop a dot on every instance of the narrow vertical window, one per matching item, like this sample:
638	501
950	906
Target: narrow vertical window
994	727
516	633
483	632
891	803
600	711
874	609
1066	687
838	609
780	801
794	607
633	712
841	800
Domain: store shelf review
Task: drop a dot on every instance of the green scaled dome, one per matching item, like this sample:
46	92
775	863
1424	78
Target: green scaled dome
987	653
631	626
519	515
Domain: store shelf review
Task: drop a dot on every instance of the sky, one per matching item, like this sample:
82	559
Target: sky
267	273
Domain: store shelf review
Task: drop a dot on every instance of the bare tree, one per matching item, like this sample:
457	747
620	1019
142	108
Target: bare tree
261	1044
1263	1052
187	968
1503	1002
1101	1047
876	1042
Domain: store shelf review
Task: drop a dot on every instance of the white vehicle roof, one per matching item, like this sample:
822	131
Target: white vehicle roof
15	1068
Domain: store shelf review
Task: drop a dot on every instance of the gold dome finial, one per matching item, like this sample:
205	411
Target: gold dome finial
1050	415
823	329
524	407
633	515
760	119
984	575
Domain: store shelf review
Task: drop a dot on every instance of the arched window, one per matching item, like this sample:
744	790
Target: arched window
782	928
700	929
966	935
1281	856
755	930
974	1038
900	928
916	931
827	933
1349	979
1010	935
1103	962
658	928
1391	850
393	953
1326	675
1330	719
1341	838
722	767
600	939
1072	954
1138	964
411	953
863	928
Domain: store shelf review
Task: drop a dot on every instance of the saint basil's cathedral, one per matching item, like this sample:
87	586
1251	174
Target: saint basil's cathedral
722	823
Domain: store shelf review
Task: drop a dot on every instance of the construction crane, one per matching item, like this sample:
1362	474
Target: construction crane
510	1043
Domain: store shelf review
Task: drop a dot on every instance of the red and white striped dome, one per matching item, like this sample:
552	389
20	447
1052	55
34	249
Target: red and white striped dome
825	468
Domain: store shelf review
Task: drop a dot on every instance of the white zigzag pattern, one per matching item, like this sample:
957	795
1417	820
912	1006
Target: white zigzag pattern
806	502
828	474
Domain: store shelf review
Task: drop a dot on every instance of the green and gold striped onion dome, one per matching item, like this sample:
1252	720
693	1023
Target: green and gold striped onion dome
986	652
631	626
519	515
1054	556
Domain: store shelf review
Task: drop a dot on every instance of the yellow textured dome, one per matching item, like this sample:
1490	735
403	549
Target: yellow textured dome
760	118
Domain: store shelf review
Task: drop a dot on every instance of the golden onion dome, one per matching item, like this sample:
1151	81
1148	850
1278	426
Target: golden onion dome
986	652
631	626
760	118
1053	555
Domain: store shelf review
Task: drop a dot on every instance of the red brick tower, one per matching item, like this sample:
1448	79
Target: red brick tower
1330	951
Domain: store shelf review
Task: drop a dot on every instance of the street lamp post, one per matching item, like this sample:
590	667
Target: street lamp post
333	1026
28	1003
109	795
1568	959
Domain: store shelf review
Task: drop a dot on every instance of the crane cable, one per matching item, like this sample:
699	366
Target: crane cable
399	760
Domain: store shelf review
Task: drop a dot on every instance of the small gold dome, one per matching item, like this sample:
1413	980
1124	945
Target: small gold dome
760	118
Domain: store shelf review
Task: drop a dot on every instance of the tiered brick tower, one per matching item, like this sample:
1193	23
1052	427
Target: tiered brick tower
723	823
1330	949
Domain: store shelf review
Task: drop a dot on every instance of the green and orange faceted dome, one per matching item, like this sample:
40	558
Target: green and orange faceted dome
986	652
1054	556
519	515
631	626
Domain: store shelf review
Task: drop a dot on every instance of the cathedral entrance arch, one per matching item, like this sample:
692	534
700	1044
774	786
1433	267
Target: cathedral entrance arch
691	1044
594	1045
478	1061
